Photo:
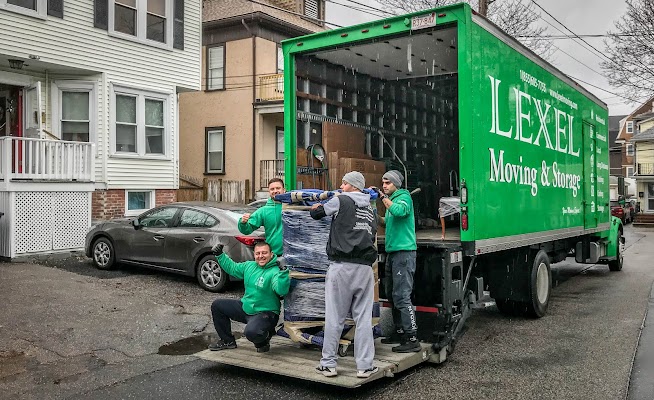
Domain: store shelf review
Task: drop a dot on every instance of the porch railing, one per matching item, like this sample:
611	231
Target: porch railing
271	87
271	169
645	169
46	160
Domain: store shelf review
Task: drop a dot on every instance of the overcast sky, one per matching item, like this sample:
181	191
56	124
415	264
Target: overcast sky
582	17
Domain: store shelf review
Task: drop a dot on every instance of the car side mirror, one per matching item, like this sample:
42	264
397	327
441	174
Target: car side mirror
136	224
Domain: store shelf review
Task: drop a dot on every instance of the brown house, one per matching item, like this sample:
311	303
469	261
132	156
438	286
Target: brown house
628	128
233	129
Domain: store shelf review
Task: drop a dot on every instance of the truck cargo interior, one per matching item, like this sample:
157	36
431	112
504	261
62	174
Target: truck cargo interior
400	94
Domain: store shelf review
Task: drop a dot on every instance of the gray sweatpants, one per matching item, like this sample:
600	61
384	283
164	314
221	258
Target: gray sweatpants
349	288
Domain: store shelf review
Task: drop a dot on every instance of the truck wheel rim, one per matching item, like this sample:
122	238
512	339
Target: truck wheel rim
542	283
101	254
210	273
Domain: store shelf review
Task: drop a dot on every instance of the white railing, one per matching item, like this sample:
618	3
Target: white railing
46	160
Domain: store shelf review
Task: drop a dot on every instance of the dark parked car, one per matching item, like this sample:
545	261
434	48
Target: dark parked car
621	211
177	238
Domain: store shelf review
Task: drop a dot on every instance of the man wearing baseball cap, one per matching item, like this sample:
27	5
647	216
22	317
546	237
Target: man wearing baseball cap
349	285
400	245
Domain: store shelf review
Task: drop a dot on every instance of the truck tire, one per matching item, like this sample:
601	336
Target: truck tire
540	286
616	265
507	307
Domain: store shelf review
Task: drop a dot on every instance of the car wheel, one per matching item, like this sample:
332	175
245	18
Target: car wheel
210	276
103	253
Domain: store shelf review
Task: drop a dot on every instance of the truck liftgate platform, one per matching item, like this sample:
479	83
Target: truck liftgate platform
289	359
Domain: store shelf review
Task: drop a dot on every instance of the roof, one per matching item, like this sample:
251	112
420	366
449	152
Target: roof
215	10
614	122
645	107
646	135
644	116
614	128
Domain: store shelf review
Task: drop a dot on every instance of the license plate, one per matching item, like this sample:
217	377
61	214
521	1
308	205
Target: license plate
423	21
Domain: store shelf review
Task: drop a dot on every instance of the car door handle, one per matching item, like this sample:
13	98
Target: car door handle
158	237
198	239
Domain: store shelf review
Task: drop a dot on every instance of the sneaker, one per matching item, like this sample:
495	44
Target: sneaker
264	349
365	373
395	338
410	346
221	345
326	371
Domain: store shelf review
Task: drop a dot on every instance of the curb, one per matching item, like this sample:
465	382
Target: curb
641	381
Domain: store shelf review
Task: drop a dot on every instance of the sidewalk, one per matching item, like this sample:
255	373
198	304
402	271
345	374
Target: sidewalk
641	383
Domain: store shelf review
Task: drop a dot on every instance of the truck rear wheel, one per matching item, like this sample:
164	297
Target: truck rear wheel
616	265
540	286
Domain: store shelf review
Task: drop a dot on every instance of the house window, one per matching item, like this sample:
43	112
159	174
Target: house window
215	144
149	21
74	110
140	122
312	9
630	149
630	127
216	68
280	143
630	172
34	8
280	60
138	201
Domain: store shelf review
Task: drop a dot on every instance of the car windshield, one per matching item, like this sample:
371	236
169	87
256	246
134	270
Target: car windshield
614	204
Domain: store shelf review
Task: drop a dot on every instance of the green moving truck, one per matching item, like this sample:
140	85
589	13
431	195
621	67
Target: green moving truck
464	111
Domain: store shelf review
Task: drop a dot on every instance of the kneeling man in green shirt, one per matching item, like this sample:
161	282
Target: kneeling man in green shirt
266	282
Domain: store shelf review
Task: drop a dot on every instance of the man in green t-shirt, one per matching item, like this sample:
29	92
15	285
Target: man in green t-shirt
269	216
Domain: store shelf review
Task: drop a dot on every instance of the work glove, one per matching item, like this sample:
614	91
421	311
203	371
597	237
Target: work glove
217	249
379	193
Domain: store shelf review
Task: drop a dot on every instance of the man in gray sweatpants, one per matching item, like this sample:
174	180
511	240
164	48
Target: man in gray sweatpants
349	286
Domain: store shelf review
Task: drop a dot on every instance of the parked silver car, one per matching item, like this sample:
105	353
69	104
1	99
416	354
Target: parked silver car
177	238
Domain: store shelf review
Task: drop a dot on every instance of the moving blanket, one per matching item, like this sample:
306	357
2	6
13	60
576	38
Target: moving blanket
308	197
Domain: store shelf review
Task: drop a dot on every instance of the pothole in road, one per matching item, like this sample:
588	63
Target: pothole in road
191	345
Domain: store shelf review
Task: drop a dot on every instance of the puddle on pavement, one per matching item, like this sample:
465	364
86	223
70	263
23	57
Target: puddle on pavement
190	345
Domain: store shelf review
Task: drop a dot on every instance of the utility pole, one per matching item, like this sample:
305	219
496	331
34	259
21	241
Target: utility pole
483	7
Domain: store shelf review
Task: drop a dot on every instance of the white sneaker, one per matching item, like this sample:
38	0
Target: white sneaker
367	373
326	371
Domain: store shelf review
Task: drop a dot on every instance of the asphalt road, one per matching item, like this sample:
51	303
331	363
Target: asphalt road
583	349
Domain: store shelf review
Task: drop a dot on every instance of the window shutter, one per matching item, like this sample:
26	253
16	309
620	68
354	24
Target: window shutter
311	8
56	8
178	25
101	11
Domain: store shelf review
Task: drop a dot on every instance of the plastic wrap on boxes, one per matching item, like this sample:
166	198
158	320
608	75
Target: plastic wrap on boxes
305	240
449	206
305	300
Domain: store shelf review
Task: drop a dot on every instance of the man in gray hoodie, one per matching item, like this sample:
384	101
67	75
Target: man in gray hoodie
349	286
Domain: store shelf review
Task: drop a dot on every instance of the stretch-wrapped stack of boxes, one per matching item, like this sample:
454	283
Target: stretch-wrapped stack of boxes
305	241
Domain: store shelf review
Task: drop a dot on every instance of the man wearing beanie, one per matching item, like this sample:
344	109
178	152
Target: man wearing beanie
349	286
400	244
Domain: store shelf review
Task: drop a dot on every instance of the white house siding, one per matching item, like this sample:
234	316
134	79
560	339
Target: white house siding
645	152
91	54
5	228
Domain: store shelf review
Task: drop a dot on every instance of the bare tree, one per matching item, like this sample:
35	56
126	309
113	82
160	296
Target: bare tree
512	16
630	49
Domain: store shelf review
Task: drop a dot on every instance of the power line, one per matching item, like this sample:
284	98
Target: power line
607	91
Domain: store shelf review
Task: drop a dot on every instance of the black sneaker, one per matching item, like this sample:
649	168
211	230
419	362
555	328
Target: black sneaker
410	346
395	338
264	349
221	345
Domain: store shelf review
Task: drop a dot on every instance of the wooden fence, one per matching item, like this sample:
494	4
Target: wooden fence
191	189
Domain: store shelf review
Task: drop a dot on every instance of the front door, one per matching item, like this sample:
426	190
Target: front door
650	197
191	235
11	110
146	244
